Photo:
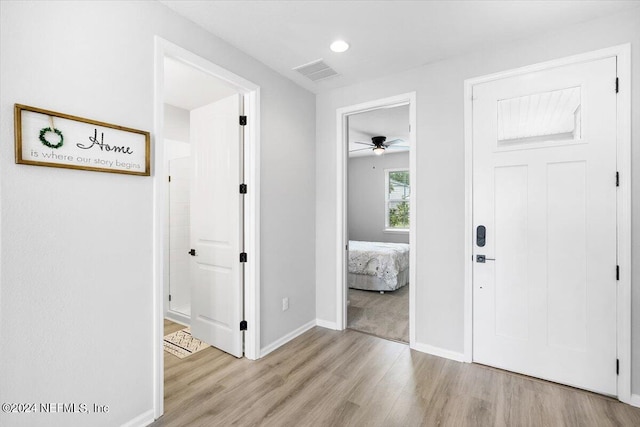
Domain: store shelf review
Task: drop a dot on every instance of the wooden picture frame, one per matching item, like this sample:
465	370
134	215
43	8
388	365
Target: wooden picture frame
52	139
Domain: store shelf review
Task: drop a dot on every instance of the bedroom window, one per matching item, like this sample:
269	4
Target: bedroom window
397	191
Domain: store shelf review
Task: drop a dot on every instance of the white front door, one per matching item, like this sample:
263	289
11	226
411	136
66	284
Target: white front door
216	227
544	188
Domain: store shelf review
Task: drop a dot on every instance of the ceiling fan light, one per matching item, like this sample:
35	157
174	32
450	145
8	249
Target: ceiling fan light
378	150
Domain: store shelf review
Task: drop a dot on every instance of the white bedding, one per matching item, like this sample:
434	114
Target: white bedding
384	261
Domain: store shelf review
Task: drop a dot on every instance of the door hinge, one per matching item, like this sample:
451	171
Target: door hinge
169	297
243	120
243	325
169	178
617	366
243	257
243	188
617	272
617	85
617	179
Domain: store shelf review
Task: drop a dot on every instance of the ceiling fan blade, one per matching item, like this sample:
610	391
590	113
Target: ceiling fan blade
399	146
363	143
394	141
359	149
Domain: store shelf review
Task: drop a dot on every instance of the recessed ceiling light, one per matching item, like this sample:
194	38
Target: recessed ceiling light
339	46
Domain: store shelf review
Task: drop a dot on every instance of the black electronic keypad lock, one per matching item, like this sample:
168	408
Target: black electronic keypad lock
481	234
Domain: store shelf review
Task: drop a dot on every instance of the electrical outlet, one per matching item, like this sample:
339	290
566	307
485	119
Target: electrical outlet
285	304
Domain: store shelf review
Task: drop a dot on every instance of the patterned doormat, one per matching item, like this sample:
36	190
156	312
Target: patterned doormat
182	344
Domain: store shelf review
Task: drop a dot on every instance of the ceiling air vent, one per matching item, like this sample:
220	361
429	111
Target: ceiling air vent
316	70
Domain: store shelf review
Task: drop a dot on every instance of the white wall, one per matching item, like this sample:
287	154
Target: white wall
173	149
440	175
179	286
366	197
76	247
287	210
176	123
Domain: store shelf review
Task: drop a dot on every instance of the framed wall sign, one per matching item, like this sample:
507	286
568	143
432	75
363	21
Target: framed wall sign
47	138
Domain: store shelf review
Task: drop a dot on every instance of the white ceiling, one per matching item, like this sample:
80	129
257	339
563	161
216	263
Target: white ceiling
390	122
386	37
188	88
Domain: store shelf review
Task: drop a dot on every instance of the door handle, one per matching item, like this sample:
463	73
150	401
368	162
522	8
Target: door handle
483	258
192	252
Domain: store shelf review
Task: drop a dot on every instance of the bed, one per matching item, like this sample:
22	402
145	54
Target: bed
378	266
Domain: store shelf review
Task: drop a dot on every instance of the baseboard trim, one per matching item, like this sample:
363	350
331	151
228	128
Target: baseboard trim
180	318
635	400
440	352
327	324
141	420
288	337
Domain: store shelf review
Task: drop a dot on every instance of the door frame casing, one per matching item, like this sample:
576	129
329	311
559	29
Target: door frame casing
342	238
622	53
251	95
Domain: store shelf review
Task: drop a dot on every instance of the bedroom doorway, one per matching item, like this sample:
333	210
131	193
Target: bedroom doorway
378	206
375	293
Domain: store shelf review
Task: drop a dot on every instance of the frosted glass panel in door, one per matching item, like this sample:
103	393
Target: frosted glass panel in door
540	117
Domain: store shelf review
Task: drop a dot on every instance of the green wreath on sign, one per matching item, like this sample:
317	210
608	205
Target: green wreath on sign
44	131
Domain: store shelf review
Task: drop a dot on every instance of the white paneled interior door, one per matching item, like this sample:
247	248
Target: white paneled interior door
544	187
179	235
216	298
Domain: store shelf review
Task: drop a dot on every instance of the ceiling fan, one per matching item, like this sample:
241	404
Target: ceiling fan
379	144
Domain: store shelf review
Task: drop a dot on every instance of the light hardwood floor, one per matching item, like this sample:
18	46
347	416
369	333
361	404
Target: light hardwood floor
331	378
